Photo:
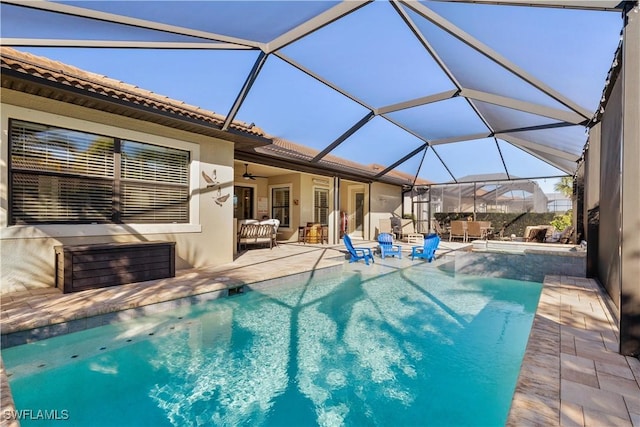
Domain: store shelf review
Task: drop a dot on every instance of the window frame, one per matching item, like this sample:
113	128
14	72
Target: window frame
316	209
8	231
55	170
288	187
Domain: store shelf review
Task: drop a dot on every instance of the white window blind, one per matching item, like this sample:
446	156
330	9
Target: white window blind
62	176
321	206
152	163
56	199
45	149
155	185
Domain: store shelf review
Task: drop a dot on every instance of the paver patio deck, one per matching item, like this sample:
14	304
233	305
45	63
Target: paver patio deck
571	374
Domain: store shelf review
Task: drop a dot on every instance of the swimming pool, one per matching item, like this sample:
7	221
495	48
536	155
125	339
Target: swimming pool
412	347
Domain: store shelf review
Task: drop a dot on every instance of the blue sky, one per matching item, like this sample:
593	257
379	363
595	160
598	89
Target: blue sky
372	55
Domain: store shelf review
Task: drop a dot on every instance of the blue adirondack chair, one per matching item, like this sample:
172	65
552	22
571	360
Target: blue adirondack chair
359	253
428	249
387	247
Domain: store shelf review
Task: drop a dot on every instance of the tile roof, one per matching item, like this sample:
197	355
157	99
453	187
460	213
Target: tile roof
67	75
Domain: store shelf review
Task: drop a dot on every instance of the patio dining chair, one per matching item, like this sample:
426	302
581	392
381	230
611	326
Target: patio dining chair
387	246
357	254
474	230
428	249
458	229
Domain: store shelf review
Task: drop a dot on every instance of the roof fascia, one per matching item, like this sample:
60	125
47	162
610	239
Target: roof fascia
493	55
315	23
125	20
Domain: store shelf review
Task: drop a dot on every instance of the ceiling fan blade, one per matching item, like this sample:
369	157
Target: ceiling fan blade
247	175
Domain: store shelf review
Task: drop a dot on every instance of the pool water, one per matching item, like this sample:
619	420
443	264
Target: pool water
414	347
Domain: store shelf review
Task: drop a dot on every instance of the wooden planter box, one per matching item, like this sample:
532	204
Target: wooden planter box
81	267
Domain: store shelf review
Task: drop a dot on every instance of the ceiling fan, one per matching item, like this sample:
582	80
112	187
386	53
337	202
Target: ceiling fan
247	175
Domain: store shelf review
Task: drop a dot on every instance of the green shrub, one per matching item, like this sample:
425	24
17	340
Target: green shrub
507	223
560	222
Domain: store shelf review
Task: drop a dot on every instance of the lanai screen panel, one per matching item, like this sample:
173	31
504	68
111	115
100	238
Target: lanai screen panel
261	21
444	119
555	45
430	168
290	104
505	118
441	71
360	54
475	157
521	163
379	142
21	22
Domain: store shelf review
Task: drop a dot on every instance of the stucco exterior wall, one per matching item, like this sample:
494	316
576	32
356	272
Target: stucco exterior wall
386	202
26	252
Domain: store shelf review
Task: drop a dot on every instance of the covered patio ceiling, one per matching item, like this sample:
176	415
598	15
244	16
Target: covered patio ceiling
438	90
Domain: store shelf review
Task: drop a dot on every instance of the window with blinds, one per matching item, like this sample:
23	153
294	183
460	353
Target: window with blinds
321	206
280	205
63	176
155	183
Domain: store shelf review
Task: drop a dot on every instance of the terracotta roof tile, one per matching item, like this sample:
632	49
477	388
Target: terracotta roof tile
59	72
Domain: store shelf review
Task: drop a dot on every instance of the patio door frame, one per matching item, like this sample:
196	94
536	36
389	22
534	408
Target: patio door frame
353	192
253	201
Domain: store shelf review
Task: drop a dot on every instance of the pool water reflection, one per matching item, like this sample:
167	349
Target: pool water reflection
411	347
